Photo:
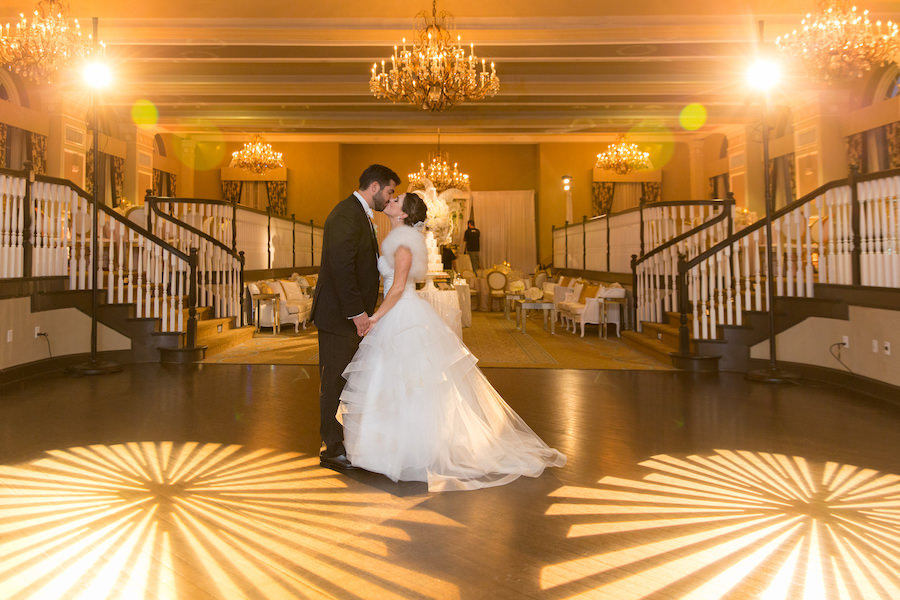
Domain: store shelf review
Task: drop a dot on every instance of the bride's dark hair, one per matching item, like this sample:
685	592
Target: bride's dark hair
415	208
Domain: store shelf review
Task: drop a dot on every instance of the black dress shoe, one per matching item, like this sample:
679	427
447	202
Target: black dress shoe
337	463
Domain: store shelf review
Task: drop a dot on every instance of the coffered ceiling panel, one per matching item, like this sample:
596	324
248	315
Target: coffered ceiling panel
566	68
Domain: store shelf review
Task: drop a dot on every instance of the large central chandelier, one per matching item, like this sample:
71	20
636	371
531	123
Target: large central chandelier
839	43
38	49
256	156
434	73
623	158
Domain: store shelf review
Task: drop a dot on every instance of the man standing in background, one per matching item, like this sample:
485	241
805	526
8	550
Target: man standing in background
472	241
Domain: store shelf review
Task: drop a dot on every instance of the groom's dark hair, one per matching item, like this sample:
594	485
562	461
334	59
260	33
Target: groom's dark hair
380	174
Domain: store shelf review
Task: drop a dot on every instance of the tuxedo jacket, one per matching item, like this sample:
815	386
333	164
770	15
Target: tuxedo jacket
348	276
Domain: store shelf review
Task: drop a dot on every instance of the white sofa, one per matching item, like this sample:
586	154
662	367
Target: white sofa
294	302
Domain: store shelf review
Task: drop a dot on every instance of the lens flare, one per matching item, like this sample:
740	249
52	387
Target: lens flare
662	149
144	114
692	117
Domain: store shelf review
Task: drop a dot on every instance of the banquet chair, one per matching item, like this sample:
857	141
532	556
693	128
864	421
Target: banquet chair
496	281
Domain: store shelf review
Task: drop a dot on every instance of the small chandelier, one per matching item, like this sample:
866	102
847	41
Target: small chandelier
49	43
256	156
434	73
839	43
441	175
623	157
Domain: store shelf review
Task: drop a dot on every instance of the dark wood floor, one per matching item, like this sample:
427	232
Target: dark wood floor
203	482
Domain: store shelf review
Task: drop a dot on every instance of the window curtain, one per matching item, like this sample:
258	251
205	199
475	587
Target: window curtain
118	179
157	183
231	191
855	151
892	131
173	188
89	171
4	134
277	192
650	191
506	221
790	169
38	157
601	197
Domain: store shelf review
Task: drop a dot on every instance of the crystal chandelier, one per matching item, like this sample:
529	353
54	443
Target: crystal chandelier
623	157
38	49
434	73
441	175
256	156
839	43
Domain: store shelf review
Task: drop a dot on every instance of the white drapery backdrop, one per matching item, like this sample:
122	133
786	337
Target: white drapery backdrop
506	221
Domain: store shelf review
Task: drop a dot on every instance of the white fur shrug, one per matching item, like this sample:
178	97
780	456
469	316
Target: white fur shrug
412	239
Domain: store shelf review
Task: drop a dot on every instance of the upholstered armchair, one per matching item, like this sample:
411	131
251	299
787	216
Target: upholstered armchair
295	305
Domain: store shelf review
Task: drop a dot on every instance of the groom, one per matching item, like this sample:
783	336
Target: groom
346	293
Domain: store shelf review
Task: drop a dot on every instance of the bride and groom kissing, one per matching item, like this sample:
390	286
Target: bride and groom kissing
399	392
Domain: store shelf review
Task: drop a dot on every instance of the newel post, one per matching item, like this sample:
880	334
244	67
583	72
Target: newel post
193	261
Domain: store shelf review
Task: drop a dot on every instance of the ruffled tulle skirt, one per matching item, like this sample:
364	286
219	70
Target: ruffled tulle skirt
416	408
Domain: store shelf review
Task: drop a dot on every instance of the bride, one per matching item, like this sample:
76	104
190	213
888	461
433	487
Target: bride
415	407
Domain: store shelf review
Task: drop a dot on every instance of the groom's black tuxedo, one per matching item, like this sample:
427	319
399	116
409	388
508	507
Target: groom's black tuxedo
347	286
348	276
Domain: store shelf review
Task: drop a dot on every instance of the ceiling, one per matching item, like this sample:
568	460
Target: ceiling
567	68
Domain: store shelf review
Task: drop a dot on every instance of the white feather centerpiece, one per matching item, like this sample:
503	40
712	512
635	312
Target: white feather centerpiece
440	221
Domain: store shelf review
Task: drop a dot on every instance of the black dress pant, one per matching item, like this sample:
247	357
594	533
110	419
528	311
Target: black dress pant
335	353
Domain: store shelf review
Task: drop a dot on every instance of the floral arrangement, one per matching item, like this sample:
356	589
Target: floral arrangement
517	286
534	293
440	220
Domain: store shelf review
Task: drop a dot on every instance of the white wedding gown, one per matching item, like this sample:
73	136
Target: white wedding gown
416	408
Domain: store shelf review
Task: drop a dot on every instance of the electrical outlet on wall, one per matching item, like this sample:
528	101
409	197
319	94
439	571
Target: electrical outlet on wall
37	331
9	335
845	341
887	348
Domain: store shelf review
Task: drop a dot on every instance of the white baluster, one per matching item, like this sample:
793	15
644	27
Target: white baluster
748	282
704	300
728	305
779	256
891	186
808	264
693	293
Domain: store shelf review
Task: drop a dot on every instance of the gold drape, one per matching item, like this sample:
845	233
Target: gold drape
892	132
118	179
157	183
231	191
277	193
89	171
4	134
650	190
38	145
173	191
601	197
855	151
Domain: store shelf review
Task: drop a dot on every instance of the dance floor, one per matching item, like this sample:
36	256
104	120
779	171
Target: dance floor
203	482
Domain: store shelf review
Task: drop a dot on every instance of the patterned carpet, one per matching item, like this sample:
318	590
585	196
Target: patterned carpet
493	339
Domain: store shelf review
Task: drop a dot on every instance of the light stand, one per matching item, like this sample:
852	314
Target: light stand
567	187
766	77
94	366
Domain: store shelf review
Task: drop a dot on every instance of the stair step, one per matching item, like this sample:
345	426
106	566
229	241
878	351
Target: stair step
211	327
227	339
648	345
667	334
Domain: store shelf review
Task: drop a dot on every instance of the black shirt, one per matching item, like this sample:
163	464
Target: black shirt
472	238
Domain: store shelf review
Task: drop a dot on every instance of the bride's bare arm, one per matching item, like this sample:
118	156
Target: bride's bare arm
402	264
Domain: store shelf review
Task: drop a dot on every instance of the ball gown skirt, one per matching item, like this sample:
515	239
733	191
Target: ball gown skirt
416	408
